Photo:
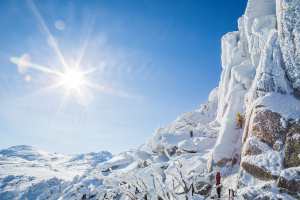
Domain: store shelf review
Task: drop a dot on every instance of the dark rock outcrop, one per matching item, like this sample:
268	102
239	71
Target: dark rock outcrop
258	172
291	185
290	180
292	146
267	127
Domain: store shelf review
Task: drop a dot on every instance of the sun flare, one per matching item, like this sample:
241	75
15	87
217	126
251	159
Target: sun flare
72	80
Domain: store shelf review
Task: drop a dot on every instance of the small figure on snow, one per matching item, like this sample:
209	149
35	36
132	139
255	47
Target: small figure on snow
191	134
231	193
218	184
83	197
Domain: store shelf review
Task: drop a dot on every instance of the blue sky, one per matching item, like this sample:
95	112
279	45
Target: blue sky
161	57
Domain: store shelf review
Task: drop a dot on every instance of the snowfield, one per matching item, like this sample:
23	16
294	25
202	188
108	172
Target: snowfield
21	167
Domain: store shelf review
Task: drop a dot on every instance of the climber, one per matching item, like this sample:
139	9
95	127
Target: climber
83	197
231	193
191	134
239	121
218	184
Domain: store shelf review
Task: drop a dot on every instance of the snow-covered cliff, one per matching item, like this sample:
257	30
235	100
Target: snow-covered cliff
261	72
252	67
249	129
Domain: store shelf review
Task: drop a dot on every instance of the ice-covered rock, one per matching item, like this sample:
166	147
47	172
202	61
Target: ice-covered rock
266	125
290	180
254	146
270	76
251	62
254	72
263	191
266	166
288	20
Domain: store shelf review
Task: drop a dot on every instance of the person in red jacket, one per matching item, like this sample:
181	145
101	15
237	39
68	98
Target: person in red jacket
218	184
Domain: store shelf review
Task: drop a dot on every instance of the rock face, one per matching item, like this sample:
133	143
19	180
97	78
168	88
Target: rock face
291	185
257	171
290	179
267	127
292	147
268	131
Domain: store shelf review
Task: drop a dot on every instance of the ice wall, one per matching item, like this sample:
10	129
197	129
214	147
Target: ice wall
288	19
252	66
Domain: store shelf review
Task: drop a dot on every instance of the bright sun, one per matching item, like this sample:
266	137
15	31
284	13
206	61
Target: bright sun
73	80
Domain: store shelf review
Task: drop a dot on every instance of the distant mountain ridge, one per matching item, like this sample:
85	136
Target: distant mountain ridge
23	166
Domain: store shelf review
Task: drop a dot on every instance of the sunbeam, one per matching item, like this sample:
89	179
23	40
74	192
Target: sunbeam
24	64
50	37
85	45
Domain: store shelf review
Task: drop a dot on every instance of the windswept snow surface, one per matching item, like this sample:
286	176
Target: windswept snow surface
287	105
23	166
